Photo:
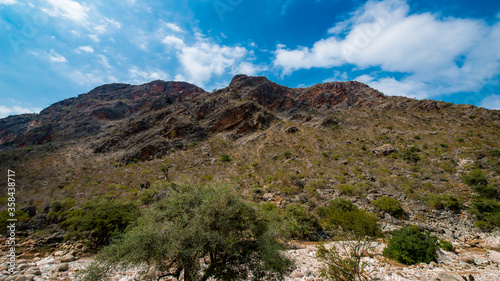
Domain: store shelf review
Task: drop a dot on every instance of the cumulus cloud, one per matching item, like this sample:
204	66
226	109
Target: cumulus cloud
491	102
174	27
14	110
437	56
85	49
67	9
139	76
55	57
8	2
205	59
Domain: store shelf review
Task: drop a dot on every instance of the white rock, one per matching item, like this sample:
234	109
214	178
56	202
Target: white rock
494	256
46	261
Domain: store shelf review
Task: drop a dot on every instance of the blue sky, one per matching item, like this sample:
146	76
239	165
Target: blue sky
440	49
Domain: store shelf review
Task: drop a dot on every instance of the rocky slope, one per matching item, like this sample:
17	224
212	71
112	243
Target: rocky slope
285	146
162	116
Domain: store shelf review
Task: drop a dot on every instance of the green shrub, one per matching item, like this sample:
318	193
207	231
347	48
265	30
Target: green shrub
475	178
5	215
409	245
287	154
487	191
412	154
486	210
203	231
225	158
342	213
389	205
101	219
299	221
495	153
444	201
445	245
58	210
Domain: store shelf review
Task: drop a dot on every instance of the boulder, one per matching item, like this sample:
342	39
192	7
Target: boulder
494	256
385	149
68	258
63	267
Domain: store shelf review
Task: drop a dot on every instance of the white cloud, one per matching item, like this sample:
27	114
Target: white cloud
8	2
491	102
139	76
174	27
68	9
173	40
94	37
85	49
437	56
205	59
14	110
55	57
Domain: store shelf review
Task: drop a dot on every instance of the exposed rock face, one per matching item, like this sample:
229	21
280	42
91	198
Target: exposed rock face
150	120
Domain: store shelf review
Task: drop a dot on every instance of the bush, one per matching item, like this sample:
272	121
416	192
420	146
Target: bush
101	219
475	178
389	205
299	221
487	191
445	245
486	210
58	210
342	213
444	201
225	158
409	245
193	226
5	215
411	154
341	267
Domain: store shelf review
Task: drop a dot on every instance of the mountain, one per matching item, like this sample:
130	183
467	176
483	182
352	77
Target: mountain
150	119
286	146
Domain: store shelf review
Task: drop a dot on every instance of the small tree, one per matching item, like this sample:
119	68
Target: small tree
205	231
100	219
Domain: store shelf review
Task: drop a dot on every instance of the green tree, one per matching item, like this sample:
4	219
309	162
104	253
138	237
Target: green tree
199	224
100	219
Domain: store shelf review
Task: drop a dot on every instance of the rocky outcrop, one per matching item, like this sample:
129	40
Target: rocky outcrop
151	119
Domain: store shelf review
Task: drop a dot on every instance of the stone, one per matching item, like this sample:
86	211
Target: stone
54	276
46	261
445	256
384	149
494	256
468	259
29	277
21	278
22	266
68	258
33	270
59	253
445	277
298	274
63	267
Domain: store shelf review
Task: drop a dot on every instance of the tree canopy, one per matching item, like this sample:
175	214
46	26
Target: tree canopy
203	231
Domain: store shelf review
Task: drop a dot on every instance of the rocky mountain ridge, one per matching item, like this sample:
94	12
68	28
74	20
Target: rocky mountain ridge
168	115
